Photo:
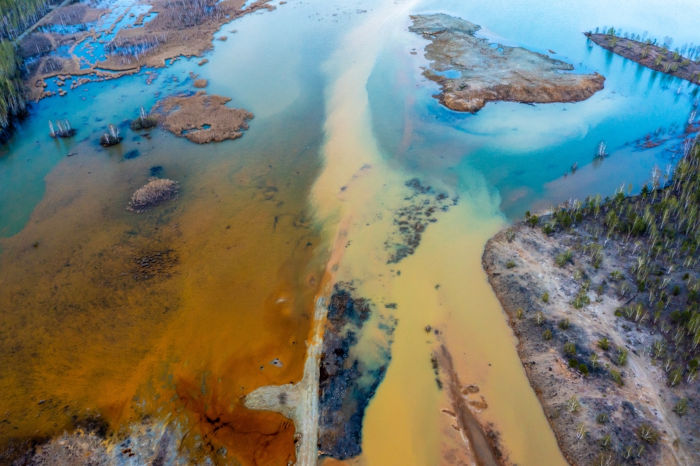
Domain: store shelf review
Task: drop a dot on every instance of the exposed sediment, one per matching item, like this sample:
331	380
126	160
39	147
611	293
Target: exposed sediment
650	55
179	28
493	72
483	444
202	118
605	312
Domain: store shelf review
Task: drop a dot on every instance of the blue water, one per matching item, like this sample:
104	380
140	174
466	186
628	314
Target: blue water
520	152
523	152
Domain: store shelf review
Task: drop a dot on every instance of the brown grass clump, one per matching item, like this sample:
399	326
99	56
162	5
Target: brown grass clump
201	83
156	191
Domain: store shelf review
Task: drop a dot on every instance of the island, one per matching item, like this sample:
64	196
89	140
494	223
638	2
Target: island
649	54
201	118
471	71
603	296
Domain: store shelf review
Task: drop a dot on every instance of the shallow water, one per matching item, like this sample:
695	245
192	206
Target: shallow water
341	123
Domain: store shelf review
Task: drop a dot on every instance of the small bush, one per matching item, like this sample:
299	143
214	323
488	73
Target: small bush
602	418
573	405
569	348
547	334
564	324
564	258
510	264
647	433
621	358
681	408
617	377
604	344
545	297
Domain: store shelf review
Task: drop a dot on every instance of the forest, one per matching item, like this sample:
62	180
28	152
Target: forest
17	15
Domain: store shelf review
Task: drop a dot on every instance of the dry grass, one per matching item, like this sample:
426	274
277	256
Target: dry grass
156	191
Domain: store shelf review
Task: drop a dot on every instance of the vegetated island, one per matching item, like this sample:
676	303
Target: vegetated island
649	54
201	118
488	72
604	298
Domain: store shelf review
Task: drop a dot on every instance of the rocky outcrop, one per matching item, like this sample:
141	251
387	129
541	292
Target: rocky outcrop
471	71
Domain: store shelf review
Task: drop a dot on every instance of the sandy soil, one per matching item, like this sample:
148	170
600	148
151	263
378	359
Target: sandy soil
651	56
202	118
521	268
489	74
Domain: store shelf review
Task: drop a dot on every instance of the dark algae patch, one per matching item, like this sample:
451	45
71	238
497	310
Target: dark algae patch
423	204
348	380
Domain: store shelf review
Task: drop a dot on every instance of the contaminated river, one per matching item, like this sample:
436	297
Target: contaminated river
178	313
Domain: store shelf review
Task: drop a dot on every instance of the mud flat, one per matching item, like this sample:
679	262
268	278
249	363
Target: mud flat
202	118
486	72
650	55
178	28
603	298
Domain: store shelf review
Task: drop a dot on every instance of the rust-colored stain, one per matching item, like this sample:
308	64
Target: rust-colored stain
179	311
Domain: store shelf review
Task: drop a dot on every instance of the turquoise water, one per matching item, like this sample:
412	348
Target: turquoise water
522	151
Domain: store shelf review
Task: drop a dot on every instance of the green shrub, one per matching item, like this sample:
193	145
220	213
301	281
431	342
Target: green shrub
569	348
564	258
681	408
545	297
604	344
617	377
564	324
647	433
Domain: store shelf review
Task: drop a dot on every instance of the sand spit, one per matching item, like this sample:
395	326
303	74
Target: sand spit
484	447
650	55
201	118
179	28
489	74
603	297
